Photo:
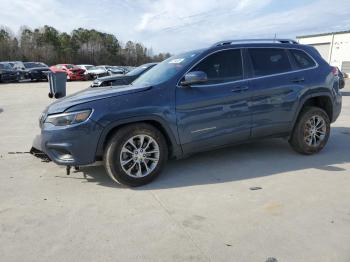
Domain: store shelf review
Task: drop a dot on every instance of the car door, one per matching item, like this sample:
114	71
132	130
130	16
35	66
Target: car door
214	113
274	86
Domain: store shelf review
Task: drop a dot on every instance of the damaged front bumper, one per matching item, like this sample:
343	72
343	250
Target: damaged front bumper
69	145
39	154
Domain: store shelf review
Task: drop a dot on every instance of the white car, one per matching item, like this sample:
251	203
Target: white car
104	70
86	68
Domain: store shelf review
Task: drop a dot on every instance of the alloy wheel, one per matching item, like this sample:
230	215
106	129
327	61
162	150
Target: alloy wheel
315	131
139	156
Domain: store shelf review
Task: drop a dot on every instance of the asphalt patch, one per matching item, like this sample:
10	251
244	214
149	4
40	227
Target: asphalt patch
255	188
271	259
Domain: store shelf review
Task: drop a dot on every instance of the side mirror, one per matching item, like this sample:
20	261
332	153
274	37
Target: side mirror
195	77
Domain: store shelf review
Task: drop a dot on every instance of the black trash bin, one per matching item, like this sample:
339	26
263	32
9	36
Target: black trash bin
57	81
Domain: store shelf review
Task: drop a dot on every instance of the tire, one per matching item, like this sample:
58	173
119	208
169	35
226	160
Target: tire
308	137
119	148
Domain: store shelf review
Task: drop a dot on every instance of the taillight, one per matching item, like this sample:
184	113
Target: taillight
335	70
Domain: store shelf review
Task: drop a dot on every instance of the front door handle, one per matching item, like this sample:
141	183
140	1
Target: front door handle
240	89
298	80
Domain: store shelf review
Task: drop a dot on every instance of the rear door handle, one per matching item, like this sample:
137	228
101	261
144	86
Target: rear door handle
298	79
240	89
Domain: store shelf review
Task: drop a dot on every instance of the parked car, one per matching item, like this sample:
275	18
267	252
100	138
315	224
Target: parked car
19	67
8	73
126	69
86	68
118	80
231	92
36	70
121	69
73	72
104	70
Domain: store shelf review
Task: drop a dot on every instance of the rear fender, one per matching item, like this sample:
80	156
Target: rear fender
305	98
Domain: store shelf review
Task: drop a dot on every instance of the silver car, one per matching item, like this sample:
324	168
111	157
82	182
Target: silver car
104	70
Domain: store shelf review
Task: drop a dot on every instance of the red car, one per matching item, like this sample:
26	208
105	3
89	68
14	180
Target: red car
73	72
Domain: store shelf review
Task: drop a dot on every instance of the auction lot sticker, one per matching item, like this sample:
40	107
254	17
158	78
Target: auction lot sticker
176	61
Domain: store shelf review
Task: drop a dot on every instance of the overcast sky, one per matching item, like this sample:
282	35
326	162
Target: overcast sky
179	25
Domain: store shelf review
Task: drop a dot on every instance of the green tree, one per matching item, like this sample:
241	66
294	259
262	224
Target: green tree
86	46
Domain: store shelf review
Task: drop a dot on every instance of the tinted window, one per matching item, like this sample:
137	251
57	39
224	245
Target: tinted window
268	61
302	60
224	66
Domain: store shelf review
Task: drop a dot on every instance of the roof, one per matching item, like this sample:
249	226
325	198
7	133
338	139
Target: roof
324	34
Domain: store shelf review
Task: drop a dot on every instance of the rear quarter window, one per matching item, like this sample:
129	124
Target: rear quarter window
269	61
302	60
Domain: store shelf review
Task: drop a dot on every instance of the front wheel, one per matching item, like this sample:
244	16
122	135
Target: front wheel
311	131
135	155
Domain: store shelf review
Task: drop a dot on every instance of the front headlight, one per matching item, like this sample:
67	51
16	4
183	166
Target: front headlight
66	119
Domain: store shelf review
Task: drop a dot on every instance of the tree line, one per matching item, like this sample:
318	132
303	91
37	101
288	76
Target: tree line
81	46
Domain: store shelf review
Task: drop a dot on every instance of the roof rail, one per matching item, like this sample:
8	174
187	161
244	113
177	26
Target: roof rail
273	40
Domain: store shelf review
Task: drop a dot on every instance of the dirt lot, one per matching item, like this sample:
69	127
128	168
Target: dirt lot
200	208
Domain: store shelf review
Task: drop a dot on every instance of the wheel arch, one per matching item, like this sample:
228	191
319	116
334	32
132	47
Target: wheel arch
322	100
174	148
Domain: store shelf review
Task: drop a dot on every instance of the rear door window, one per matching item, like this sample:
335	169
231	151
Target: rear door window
269	61
302	60
221	67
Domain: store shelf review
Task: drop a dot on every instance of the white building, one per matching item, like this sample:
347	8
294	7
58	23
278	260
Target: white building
334	47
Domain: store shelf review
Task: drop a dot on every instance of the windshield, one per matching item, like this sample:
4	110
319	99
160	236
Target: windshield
32	65
5	66
87	67
139	70
166	69
70	66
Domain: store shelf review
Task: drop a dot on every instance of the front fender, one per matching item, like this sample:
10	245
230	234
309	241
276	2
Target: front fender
170	132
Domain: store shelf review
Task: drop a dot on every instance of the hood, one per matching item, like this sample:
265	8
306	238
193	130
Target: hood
92	94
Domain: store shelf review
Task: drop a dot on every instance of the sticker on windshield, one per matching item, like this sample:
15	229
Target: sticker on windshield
176	61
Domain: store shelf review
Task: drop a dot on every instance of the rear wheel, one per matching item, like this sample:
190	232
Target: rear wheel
311	131
135	155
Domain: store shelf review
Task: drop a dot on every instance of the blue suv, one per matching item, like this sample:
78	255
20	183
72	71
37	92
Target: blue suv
232	92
